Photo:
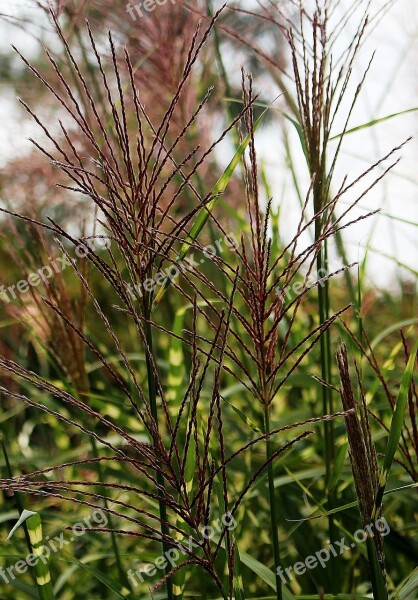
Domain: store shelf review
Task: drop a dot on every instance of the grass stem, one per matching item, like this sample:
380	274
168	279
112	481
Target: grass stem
273	507
325	354
152	389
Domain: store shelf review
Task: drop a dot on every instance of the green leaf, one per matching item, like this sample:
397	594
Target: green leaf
388	330
396	426
238	585
374	122
408	588
264	573
190	467
243	417
111	584
26	514
338	466
301	135
43	575
8	516
176	370
206	211
25	588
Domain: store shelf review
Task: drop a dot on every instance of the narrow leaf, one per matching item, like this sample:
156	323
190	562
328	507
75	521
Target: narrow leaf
43	575
396	426
206	211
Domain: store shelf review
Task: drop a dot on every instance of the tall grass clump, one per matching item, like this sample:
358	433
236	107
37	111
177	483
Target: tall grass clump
191	339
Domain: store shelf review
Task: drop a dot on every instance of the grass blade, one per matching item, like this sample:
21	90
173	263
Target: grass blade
396	427
374	122
206	211
238	584
43	575
408	588
109	583
264	573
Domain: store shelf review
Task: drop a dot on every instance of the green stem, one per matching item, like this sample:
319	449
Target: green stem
325	349
152	389
122	573
17	499
377	577
273	507
83	389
